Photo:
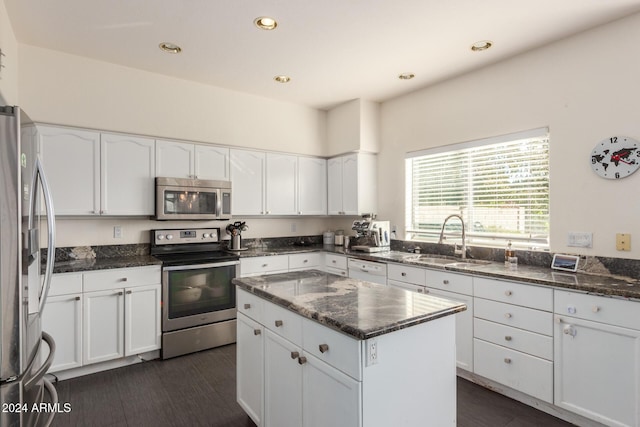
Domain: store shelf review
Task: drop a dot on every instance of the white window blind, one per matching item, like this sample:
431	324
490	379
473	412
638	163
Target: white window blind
500	186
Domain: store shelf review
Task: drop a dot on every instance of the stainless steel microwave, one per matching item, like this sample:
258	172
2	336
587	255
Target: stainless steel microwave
185	199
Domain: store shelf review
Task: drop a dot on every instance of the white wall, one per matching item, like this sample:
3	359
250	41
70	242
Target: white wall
585	88
9	73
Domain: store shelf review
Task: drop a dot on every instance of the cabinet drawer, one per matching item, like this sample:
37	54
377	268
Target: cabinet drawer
336	261
283	322
264	265
512	315
403	273
598	309
65	283
250	305
514	293
304	261
514	338
334	348
121	278
458	283
338	271
528	374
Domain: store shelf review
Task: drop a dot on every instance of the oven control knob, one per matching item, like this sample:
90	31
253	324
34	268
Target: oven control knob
206	235
169	236
160	237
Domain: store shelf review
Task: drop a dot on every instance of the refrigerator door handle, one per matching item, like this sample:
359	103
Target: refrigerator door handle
51	228
42	370
54	400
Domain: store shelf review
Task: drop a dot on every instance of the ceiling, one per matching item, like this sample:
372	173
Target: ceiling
333	50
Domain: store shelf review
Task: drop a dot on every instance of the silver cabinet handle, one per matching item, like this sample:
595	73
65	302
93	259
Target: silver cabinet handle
446	282
77	298
595	309
323	348
247	306
507	360
278	323
305	261
302	360
403	274
120	293
129	292
507	338
508	315
265	265
124	279
508	293
257	332
295	354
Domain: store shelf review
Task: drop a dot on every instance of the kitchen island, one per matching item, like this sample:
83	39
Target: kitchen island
316	349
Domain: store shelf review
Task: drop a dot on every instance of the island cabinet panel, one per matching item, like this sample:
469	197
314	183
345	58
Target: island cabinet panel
336	349
597	362
250	368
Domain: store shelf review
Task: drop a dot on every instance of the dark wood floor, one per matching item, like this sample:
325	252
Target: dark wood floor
199	390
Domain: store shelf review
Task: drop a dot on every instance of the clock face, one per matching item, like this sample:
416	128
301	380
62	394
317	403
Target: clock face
616	157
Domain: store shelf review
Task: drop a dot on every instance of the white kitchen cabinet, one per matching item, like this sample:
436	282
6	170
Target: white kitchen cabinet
187	160
250	364
71	158
352	184
103	321
142	314
336	264
281	184
597	357
256	266
127	172
513	329
62	319
312	186
305	261
247	180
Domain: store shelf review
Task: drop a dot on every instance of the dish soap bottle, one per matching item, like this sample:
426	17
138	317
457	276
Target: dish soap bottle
508	253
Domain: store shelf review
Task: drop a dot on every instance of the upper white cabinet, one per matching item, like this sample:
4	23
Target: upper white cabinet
352	184
277	184
71	158
93	173
185	160
127	175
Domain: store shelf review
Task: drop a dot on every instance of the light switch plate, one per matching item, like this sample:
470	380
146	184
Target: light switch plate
623	241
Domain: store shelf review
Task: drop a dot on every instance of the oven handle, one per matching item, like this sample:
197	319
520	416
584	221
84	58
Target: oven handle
200	266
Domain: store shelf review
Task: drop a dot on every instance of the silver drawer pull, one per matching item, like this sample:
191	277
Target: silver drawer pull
403	274
257	332
595	309
508	315
278	323
77	298
265	265
446	282
295	354
507	338
124	279
508	293
323	348
507	360
247	306
306	260
129	292
302	360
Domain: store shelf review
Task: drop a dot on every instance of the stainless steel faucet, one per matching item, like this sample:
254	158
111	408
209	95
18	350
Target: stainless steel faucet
456	251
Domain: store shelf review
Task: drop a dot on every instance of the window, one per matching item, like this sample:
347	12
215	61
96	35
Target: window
500	187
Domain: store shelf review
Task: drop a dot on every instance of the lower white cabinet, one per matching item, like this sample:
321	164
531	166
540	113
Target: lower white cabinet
250	365
103	321
142	311
597	357
62	319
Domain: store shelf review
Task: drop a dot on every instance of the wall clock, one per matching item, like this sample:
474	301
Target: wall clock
616	157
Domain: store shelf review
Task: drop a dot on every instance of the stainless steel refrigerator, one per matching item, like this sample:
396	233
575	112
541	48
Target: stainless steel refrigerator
24	198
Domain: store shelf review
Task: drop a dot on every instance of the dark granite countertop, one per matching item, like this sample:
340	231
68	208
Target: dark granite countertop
90	264
598	284
360	309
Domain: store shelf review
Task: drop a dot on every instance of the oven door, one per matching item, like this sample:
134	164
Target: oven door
198	294
178	202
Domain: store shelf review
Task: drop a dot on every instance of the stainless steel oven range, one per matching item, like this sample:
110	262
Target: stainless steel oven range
198	299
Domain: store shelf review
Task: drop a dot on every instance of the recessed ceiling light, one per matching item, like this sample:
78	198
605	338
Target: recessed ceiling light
282	79
265	23
481	45
406	76
170	47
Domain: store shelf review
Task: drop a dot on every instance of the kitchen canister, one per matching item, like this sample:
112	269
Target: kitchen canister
339	238
328	238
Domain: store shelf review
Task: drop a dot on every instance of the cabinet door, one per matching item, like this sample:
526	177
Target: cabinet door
247	180
174	159
250	367
329	397
350	185
281	184
283	383
142	319
128	173
103	326
334	186
71	159
312	186
212	162
62	319
597	371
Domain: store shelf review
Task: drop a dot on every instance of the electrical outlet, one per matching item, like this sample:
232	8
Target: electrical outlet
623	241
580	240
372	352
117	232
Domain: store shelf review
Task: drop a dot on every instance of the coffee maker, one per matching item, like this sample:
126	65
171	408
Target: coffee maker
371	235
